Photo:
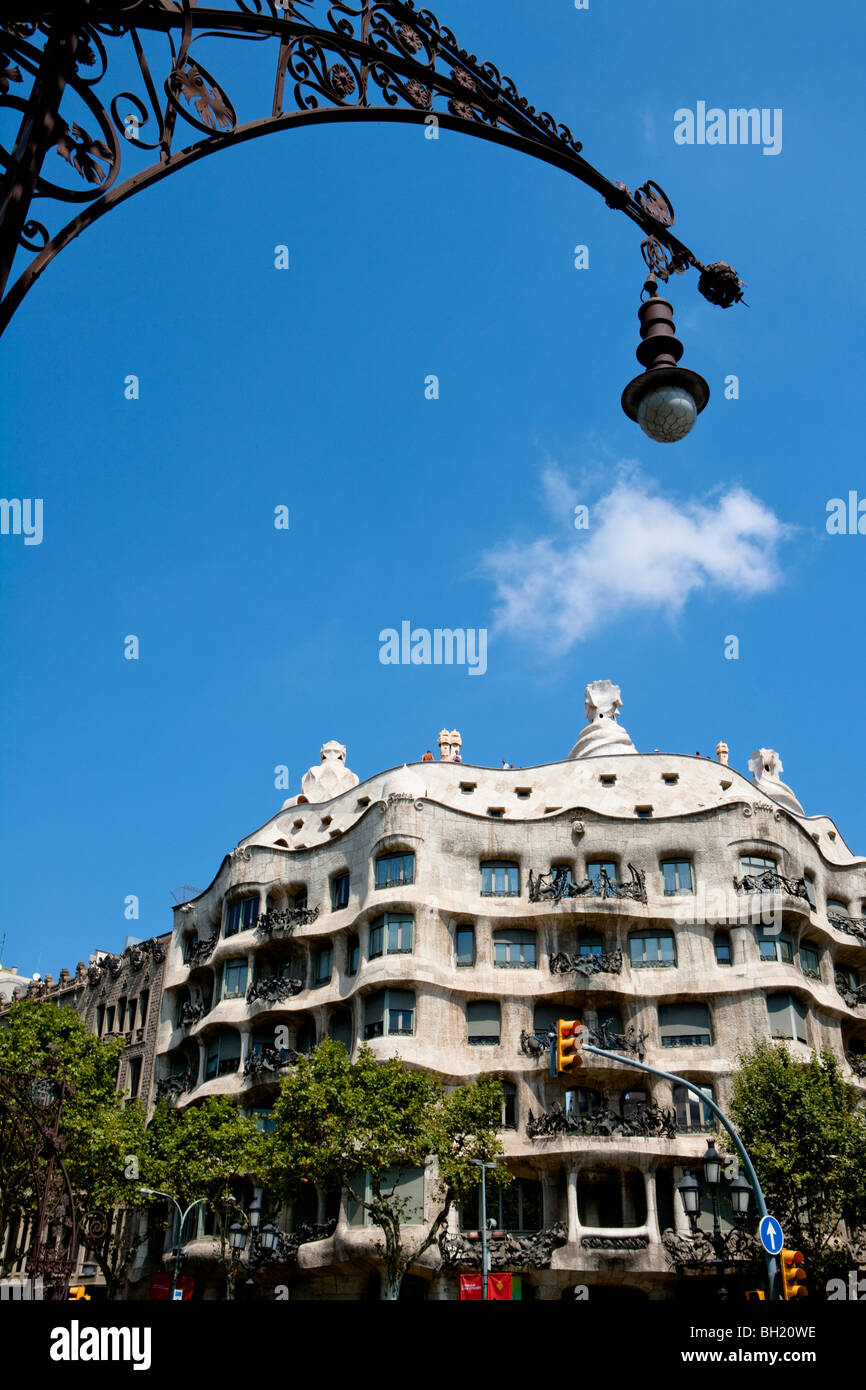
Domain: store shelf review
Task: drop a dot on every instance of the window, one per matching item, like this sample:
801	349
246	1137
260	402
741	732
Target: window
607	779
109	1018
516	1207
692	1113
143	1000
298	899
496	812
610	1022
391	1011
100	1019
324	964
590	944
234	979
602	873
306	1039
465	943
401	1012
523	793
500	879
265	1038
670	779
651	950
353	955
632	1102
264	1120
755	865
515	949
483	1022
467	787
722	948
394	869
643	812
677	876
810	963
134	1077
392	933
779	947
582	1103
406	1184
186	946
508	1118
121	1013
224	1055
685	1025
836	908
340	1028
242	915
787	1017
849	976
339	892
130	1022
810	890
546	1016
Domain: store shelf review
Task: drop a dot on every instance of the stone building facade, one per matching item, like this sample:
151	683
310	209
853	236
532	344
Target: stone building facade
451	913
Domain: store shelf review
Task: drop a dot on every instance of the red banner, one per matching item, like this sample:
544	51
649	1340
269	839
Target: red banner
160	1286
470	1286
498	1287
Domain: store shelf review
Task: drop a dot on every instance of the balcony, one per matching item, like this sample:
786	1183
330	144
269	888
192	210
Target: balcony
558	886
507	1250
277	924
605	963
772	882
648	1121
270	1059
853	926
632	1041
199	951
852	997
274	989
190	1013
171	1087
857	1063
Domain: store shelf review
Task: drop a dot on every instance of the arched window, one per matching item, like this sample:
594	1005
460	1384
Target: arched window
241	915
223	1054
465	944
392	870
602	873
234	984
391	933
776	947
500	878
590	944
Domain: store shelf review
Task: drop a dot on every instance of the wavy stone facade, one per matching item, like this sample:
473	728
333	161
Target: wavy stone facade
627	889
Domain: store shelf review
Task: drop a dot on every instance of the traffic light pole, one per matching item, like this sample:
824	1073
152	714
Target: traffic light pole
722	1117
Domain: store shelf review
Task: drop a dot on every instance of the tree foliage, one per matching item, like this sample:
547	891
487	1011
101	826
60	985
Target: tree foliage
805	1129
99	1131
336	1119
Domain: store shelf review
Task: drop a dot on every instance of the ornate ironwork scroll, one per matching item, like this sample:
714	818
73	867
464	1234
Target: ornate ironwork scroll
200	951
83	143
510	1252
615	1242
647	1122
852	926
31	1107
270	1059
273	989
558	885
772	882
852	997
609	962
698	1251
172	1087
857	1063
283	923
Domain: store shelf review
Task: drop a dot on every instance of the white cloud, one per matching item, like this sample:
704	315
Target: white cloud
642	551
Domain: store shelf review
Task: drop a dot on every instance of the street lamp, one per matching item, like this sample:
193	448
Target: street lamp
154	1192
690	1195
665	399
485	1259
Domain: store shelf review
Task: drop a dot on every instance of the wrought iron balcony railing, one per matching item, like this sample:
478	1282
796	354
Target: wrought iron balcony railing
698	1251
170	1087
199	951
607	962
852	997
191	1014
536	1043
558	885
283	923
647	1121
508	1251
854	926
270	1059
772	882
857	1063
614	1242
273	989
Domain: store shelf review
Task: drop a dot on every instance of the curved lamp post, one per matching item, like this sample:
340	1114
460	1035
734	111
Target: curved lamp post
333	60
154	1192
691	1193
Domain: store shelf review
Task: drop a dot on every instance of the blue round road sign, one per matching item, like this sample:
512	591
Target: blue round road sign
771	1235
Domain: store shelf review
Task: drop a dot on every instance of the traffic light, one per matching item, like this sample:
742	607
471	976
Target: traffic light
569	1045
793	1271
755	1295
77	1293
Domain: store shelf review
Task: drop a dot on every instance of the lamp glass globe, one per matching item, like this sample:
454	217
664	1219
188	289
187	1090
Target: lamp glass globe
667	413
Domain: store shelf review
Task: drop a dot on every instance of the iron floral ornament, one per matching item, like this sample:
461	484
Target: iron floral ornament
331	60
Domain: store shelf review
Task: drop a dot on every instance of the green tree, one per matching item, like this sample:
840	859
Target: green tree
805	1129
336	1120
206	1151
100	1133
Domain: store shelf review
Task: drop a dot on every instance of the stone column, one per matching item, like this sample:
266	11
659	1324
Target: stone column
573	1212
246	1034
652	1215
681	1221
202	1062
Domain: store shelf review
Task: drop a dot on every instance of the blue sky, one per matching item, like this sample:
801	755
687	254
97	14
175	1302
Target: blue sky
306	388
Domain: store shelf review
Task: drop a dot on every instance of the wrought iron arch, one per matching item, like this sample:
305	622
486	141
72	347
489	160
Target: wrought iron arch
31	1105
334	60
